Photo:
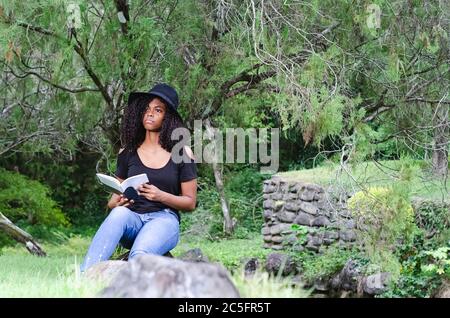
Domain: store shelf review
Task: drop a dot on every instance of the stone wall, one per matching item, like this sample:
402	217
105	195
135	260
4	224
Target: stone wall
322	214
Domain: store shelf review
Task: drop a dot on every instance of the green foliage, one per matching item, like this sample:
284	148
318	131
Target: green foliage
375	173
412	284
6	240
433	216
243	187
381	214
244	192
22	199
439	261
300	232
264	285
72	183
414	281
384	218
320	112
325	265
91	210
206	221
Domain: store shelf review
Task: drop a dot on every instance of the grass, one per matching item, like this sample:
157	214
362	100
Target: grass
230	252
373	174
57	275
263	285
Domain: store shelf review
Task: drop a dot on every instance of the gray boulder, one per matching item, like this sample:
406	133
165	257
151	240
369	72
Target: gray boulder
443	291
194	255
376	284
153	276
251	266
348	277
104	271
280	263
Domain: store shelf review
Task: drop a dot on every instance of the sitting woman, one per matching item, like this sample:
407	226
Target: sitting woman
150	223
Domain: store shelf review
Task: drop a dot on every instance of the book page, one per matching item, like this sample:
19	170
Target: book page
109	181
134	181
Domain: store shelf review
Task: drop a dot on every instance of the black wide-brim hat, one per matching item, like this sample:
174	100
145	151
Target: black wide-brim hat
166	92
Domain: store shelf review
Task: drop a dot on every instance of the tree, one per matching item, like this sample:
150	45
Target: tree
87	47
343	71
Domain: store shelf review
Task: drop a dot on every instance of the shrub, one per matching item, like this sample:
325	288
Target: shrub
384	218
243	187
419	275
91	210
324	265
433	216
439	261
244	191
27	201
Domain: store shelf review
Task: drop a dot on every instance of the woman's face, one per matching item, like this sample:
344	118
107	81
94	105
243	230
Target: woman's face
154	115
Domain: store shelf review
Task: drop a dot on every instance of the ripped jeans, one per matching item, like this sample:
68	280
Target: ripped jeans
148	233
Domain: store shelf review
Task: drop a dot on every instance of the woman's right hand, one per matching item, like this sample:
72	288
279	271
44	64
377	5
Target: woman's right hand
119	200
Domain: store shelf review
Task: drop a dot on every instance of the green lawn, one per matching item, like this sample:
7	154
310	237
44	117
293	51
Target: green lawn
57	275
24	275
230	252
372	174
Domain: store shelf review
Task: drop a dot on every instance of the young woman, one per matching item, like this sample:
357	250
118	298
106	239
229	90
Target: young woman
150	223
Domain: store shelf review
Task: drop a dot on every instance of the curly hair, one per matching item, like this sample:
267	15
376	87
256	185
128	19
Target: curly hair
132	132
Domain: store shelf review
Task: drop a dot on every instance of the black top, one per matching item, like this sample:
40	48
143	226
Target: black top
167	178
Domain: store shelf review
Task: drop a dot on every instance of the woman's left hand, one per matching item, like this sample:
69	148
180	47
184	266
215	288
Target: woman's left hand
150	192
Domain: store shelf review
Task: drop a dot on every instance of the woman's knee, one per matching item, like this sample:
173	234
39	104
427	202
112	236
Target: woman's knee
157	241
120	216
120	212
155	248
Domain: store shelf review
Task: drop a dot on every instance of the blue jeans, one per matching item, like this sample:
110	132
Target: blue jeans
148	233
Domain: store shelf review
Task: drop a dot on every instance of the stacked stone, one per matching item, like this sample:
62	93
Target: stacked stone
307	204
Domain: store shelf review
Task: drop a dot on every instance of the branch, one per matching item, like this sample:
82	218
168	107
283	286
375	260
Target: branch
36	29
377	112
21	236
123	14
254	79
431	101
383	108
245	88
70	90
251	85
22	140
80	51
87	66
96	29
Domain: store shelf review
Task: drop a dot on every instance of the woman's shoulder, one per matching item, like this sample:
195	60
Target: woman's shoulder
125	153
184	156
188	151
126	150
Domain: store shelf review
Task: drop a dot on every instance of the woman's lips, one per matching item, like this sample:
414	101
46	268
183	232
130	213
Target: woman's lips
150	122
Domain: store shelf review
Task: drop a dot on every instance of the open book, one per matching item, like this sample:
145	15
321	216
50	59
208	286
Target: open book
116	186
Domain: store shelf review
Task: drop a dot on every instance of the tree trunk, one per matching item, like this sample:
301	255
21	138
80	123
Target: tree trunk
21	236
228	225
440	142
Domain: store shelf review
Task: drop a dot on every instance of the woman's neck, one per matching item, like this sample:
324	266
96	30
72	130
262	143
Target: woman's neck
151	140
